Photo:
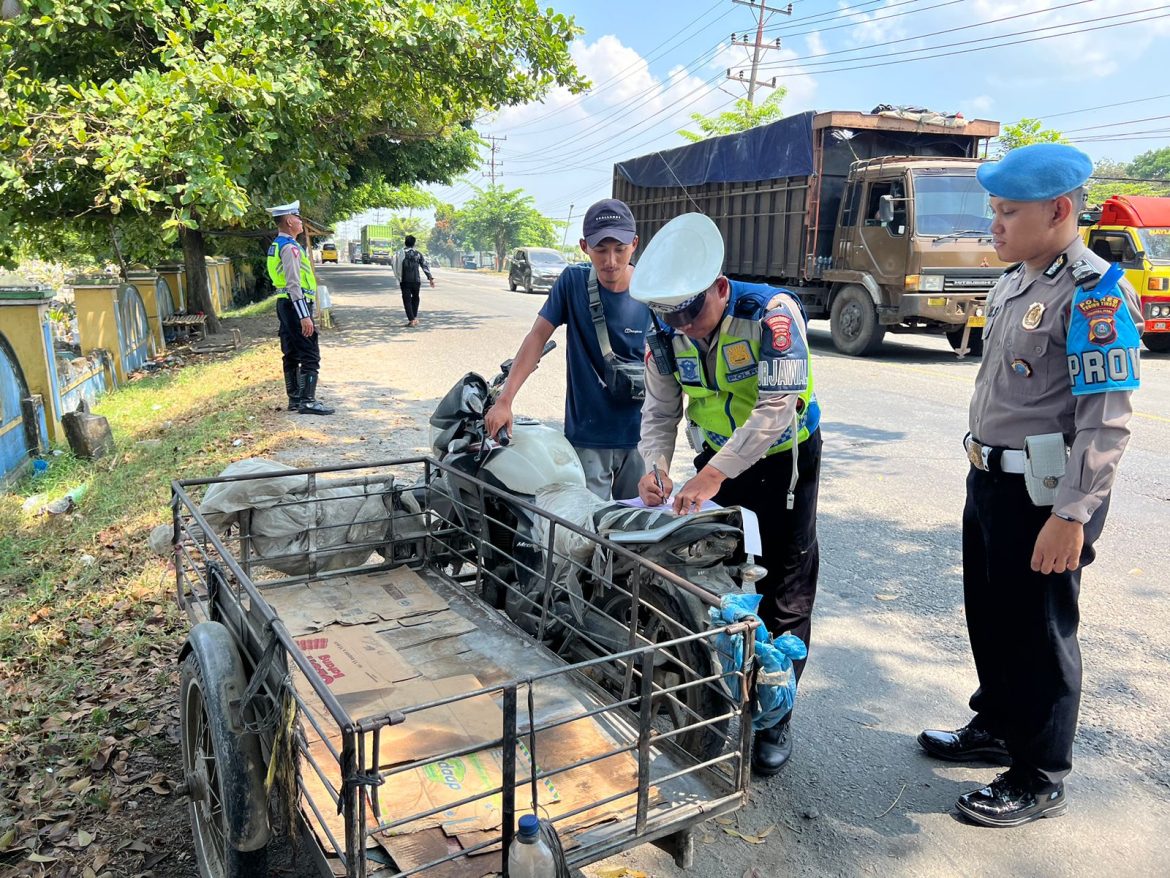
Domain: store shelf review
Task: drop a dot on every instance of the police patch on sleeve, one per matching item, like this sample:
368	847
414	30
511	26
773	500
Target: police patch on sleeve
783	364
1103	340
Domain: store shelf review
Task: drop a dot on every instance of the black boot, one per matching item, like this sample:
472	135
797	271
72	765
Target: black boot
309	403
772	748
292	386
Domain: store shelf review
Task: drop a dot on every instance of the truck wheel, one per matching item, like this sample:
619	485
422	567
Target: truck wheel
1158	342
511	284
854	323
974	341
223	771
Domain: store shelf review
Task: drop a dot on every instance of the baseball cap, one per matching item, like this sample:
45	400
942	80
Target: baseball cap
609	218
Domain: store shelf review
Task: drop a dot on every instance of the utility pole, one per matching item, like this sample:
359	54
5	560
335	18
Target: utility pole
492	163
762	12
565	236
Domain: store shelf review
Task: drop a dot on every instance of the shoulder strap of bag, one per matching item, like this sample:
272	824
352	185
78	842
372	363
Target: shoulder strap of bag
597	314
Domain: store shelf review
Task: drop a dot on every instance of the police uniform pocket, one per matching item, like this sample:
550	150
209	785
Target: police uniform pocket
1028	363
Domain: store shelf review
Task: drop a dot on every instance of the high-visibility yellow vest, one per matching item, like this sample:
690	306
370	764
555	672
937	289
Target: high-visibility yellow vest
718	404
276	268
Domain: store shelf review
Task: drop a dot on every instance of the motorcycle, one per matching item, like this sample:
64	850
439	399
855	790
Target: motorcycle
536	466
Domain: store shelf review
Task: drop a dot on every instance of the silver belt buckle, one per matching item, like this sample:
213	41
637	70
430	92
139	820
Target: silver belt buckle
975	455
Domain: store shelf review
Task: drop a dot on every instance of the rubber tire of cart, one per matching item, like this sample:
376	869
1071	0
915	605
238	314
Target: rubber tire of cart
864	337
974	341
706	700
211	677
1158	342
511	284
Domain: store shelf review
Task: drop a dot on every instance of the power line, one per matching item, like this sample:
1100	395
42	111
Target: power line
494	148
762	13
624	73
804	60
1093	26
1104	107
876	18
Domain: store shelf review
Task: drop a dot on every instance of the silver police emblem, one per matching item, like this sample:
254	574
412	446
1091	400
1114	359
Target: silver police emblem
1050	482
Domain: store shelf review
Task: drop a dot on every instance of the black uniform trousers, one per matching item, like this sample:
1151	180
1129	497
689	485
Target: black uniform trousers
792	555
410	297
297	350
1023	627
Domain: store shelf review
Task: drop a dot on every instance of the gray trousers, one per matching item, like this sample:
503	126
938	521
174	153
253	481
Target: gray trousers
612	473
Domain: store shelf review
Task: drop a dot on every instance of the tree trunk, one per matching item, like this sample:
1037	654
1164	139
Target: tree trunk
198	288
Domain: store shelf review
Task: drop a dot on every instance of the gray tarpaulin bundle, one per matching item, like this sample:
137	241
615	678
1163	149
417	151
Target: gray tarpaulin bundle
283	512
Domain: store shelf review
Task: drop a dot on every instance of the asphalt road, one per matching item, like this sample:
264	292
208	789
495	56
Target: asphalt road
889	652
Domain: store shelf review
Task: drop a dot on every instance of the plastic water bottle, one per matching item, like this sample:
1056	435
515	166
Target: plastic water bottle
529	855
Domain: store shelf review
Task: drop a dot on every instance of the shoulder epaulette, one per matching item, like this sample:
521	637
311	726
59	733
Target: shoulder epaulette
750	304
1084	274
1012	268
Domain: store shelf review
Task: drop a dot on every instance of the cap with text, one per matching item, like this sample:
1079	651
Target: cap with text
608	218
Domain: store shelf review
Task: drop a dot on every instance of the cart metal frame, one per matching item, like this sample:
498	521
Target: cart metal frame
222	578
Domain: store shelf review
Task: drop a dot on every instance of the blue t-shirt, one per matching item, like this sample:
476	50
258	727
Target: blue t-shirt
593	418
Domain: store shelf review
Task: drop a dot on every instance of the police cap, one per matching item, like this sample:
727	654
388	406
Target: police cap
1036	172
679	263
292	208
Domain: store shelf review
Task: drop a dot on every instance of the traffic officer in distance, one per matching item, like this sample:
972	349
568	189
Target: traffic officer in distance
1048	425
296	291
739	354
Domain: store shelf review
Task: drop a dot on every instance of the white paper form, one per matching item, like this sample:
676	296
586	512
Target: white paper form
752	543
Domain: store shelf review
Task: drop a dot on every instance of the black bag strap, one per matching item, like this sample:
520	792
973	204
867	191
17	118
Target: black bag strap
597	314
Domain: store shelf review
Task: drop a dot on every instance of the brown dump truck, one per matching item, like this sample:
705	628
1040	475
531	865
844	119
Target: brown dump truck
876	220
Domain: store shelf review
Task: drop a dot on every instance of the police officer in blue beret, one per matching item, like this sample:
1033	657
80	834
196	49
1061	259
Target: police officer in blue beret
1048	425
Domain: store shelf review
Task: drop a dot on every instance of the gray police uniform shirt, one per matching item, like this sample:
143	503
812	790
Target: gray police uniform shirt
1023	386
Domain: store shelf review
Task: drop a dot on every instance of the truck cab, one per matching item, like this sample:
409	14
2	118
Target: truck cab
912	252
1134	232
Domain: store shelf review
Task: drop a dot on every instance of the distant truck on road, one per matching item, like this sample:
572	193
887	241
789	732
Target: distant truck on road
377	245
875	220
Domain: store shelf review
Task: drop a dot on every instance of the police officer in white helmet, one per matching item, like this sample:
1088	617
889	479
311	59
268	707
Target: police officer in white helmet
739	355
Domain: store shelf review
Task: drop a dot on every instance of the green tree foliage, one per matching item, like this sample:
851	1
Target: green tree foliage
445	239
188	114
741	117
1152	165
1130	182
1024	133
499	219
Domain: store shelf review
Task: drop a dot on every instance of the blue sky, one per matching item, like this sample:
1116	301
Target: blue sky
1094	69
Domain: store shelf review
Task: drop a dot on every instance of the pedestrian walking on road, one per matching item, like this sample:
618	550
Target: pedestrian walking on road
738	353
606	332
409	266
1048	425
296	294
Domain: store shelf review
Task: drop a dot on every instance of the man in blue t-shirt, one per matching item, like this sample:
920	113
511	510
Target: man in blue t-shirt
599	423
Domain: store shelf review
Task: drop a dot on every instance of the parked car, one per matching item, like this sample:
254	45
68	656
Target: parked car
329	252
534	268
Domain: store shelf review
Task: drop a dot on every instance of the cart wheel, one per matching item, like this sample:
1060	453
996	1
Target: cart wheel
221	767
705	700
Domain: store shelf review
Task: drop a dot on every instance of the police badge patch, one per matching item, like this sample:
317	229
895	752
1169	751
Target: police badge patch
1033	316
738	355
781	327
688	370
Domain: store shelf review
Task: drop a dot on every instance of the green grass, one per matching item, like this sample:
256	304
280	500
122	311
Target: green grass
87	644
255	309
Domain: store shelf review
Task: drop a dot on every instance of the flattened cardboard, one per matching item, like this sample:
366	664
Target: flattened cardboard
352	659
448	781
386	596
420	848
448	623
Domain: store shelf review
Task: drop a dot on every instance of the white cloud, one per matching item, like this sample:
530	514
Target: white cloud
979	105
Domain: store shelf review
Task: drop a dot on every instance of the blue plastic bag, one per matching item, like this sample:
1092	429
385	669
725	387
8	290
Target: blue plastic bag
776	681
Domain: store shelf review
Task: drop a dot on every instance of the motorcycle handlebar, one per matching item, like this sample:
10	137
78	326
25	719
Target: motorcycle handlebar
502	437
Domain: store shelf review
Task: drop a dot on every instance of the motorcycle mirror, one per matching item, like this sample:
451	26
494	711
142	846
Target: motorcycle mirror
472	400
753	572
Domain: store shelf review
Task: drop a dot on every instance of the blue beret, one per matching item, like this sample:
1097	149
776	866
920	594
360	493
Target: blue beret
1036	172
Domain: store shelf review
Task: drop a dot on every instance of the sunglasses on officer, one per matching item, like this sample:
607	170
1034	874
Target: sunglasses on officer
678	316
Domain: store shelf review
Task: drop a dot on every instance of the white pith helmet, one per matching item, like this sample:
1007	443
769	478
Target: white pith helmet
679	263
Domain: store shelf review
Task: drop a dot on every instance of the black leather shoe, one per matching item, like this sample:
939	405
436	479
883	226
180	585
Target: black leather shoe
771	749
967	744
1007	802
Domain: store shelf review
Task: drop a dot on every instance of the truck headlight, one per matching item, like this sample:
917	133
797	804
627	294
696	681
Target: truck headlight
931	283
